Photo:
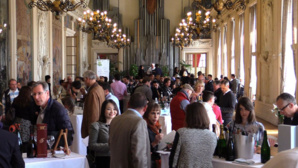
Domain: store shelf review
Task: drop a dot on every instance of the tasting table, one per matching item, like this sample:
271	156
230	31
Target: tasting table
73	160
216	162
78	145
166	123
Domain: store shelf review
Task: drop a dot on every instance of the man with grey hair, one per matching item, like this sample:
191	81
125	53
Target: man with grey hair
178	106
51	112
92	102
286	103
151	68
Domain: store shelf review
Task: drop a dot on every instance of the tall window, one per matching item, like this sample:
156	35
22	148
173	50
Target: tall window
242	48
253	46
233	48
191	59
202	63
289	74
225	54
219	55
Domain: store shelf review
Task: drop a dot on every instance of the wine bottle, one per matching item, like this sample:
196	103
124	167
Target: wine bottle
31	147
221	145
231	154
214	130
265	149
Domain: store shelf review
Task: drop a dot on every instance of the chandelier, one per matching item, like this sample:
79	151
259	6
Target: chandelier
3	27
97	23
57	6
189	30
219	5
118	40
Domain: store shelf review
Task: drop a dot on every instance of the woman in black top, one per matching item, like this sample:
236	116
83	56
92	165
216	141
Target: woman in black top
25	112
154	130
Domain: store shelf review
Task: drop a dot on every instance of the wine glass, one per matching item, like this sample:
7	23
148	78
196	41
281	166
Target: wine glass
50	141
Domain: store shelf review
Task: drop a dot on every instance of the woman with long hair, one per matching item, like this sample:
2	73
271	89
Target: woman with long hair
25	112
194	144
151	116
245	120
99	134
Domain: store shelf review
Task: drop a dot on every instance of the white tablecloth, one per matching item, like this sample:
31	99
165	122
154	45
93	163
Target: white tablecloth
73	160
217	163
166	124
77	145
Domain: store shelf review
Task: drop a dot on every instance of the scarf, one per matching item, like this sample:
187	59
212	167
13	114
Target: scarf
155	128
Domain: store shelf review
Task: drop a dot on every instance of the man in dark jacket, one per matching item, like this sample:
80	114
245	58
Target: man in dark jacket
51	112
209	84
10	155
227	102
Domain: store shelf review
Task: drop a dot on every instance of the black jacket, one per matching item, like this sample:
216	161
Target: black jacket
10	155
227	106
209	86
56	117
288	121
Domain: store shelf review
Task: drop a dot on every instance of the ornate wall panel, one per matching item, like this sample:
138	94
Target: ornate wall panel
57	53
43	43
4	69
24	41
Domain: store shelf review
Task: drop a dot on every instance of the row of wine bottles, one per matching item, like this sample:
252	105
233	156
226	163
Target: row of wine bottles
228	150
29	147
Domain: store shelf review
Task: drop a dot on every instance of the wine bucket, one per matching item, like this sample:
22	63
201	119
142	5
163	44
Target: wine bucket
244	146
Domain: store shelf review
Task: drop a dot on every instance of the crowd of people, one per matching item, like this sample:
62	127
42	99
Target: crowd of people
128	135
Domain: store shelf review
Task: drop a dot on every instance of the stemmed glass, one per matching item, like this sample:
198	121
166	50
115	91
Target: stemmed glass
50	141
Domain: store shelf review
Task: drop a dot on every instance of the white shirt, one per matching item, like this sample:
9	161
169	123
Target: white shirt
211	114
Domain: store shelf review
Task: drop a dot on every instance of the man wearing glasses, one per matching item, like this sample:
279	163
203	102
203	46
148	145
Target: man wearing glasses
286	103
51	112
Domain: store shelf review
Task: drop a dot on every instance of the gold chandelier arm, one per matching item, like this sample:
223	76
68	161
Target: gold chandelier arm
241	4
41	5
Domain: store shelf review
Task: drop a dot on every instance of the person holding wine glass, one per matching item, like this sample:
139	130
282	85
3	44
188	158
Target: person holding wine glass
154	131
245	120
99	134
194	144
197	95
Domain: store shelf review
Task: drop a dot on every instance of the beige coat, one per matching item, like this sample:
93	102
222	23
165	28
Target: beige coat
129	142
92	107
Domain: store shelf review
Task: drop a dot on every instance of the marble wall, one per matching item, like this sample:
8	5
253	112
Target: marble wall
24	42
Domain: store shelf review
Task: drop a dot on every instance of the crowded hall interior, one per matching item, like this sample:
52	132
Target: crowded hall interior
148	83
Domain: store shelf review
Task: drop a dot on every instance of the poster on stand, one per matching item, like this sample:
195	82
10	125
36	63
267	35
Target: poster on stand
103	67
